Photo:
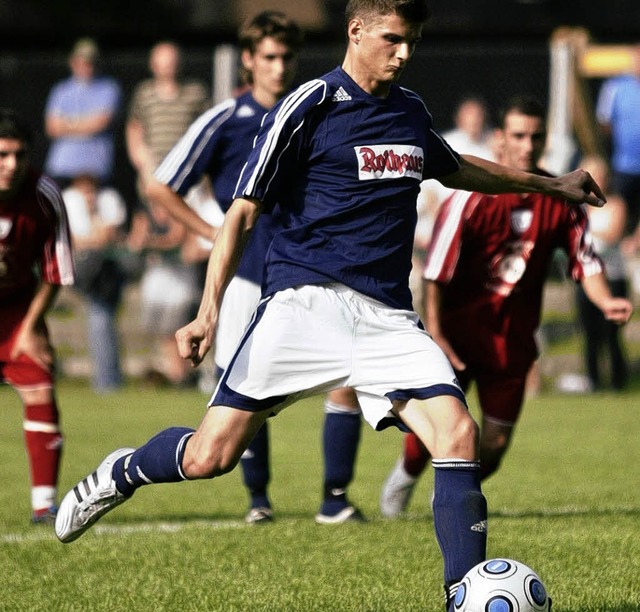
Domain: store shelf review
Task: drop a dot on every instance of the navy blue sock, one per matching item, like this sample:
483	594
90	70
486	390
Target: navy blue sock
159	460
340	438
459	516
255	468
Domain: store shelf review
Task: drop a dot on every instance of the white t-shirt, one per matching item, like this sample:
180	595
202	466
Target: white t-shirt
110	210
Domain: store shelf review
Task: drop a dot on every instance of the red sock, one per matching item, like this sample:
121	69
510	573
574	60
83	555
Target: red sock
415	455
44	445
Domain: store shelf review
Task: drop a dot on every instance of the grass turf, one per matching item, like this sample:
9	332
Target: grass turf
566	502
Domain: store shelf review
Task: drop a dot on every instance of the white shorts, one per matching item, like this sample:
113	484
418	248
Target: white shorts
238	305
314	338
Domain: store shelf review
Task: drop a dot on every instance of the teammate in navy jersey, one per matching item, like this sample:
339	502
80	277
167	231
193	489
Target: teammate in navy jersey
35	260
343	156
217	145
484	278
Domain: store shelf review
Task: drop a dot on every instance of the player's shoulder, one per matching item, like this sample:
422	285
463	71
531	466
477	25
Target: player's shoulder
46	187
411	99
313	93
334	87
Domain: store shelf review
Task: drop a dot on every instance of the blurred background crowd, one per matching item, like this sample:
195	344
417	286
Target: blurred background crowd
140	72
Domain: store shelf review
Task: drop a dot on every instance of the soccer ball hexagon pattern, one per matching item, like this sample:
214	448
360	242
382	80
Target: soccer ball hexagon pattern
501	585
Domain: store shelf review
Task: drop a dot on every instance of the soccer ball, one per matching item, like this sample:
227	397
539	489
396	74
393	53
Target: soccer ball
501	585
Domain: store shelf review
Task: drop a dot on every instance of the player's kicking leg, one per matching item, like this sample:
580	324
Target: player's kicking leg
175	454
445	427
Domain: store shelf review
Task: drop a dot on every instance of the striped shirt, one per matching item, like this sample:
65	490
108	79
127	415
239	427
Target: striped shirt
164	121
345	168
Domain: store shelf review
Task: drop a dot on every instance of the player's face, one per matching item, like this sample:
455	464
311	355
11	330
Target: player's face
272	66
383	45
14	161
523	139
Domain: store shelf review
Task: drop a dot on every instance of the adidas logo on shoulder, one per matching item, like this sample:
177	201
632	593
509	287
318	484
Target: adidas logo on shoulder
341	95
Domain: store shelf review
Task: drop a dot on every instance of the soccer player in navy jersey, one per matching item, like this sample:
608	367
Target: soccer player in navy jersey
35	260
343	157
217	145
484	279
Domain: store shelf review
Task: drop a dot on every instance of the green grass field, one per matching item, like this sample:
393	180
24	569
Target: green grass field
566	502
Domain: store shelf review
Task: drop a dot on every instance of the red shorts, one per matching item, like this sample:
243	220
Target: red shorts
23	371
500	394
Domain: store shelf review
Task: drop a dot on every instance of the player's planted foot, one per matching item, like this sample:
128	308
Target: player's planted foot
259	516
396	491
349	514
44	517
90	499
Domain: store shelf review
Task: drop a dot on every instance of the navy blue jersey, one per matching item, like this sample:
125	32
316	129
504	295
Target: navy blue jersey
345	168
217	144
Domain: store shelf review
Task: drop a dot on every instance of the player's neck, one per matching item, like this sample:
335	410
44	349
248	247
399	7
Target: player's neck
264	98
374	87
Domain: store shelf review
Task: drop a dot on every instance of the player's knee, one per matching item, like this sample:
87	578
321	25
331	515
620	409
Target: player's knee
38	396
461	440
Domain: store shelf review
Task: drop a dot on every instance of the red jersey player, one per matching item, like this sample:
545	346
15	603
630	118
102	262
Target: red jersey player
35	259
483	285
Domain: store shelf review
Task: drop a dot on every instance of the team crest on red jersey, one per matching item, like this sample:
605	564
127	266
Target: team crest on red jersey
521	220
5	227
389	161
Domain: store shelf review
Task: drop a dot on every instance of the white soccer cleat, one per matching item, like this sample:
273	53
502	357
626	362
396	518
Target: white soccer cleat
90	499
259	516
396	491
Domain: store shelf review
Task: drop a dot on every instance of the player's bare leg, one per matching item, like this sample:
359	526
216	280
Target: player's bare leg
173	455
446	428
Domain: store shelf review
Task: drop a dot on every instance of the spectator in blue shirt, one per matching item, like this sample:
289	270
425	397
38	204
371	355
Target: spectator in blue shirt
79	119
618	113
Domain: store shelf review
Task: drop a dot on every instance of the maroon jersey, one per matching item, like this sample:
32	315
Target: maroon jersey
492	253
35	242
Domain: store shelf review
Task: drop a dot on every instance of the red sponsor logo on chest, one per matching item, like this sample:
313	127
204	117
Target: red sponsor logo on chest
389	161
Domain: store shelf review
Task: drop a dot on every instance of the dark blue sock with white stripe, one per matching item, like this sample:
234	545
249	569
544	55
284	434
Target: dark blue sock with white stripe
159	460
459	516
255	468
340	438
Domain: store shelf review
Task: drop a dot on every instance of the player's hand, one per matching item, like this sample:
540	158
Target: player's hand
35	345
452	356
194	341
578	187
617	310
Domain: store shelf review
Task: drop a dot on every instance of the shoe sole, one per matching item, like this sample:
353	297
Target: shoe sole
75	496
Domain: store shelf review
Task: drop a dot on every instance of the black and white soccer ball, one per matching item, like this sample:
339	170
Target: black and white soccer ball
501	585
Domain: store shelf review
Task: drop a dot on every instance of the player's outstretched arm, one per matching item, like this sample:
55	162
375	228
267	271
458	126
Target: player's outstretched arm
615	309
195	339
476	174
